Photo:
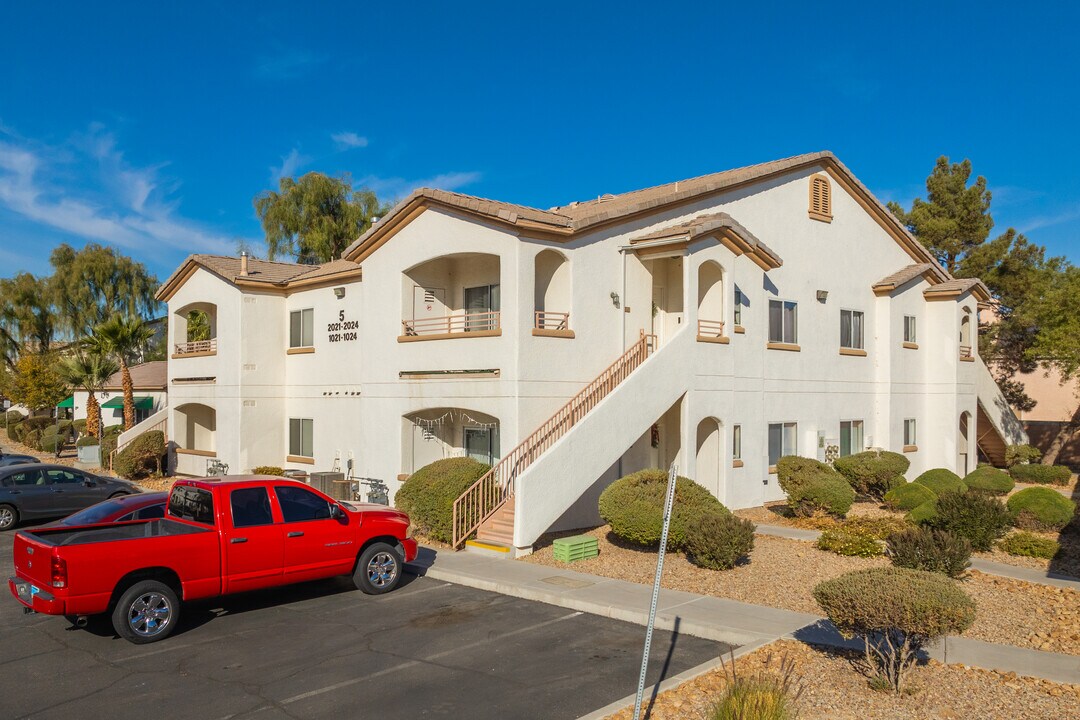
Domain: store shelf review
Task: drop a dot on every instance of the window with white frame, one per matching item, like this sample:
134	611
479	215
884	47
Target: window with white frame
302	328
738	306
783	321
782	441
851	437
909	432
301	437
851	329
736	442
909	329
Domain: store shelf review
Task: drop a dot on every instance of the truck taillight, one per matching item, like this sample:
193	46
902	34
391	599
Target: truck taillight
59	572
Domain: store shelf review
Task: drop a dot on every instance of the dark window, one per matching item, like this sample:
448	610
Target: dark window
126	518
250	507
151	513
298	504
26	479
192	503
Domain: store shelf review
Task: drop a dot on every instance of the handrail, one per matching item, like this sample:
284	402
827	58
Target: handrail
495	487
548	320
198	346
965	351
462	322
710	328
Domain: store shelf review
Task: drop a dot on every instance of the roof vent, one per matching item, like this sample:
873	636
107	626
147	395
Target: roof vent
243	263
605	197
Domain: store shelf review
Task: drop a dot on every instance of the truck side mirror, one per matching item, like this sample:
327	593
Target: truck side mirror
336	512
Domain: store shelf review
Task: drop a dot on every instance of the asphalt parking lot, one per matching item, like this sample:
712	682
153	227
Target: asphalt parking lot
320	650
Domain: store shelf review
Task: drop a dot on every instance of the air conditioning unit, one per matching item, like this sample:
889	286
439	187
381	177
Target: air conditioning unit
331	483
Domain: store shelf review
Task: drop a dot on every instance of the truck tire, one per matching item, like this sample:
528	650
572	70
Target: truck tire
379	569
9	517
147	612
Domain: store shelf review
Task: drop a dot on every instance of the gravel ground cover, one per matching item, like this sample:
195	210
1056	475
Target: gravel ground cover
833	690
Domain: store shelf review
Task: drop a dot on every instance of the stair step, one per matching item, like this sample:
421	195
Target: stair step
499	537
491	549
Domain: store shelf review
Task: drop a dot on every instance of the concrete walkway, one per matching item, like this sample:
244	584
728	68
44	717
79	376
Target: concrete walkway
989	567
706	616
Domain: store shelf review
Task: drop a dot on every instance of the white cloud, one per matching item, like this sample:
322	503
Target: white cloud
348	140
396	188
289	165
1042	221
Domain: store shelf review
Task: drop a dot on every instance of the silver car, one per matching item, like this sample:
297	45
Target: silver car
40	491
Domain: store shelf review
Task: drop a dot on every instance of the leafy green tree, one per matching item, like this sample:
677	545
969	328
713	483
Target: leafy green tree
28	320
91	285
34	381
198	326
315	218
89	372
121	339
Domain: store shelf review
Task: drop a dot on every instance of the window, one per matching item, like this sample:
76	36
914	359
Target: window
300	505
250	507
909	432
481	444
820	198
24	479
481	304
783	321
63	477
301	437
851	329
738	306
909	329
851	437
782	441
302	328
192	503
736	442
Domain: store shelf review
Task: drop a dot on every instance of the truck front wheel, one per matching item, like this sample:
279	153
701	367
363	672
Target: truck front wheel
379	569
146	612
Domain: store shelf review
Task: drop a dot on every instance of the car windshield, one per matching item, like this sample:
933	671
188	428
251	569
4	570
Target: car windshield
93	514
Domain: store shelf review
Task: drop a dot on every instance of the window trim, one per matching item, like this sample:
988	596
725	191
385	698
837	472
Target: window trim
302	347
736	442
862	433
914	337
300	456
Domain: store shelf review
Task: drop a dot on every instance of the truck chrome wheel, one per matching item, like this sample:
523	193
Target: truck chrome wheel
382	570
149	615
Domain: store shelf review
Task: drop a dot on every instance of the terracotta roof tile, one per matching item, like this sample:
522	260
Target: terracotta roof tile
704	225
147	376
902	276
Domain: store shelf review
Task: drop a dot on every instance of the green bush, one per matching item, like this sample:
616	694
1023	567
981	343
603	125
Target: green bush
978	517
851	544
50	443
1041	474
112	430
931	550
39	423
874	472
761	696
634	507
86	441
897	612
1018	454
987	478
141	457
1029	545
13	416
941	480
909	496
813	487
793	472
428	494
1040	508
718	540
32	439
922	514
268	470
80	426
877	528
17	431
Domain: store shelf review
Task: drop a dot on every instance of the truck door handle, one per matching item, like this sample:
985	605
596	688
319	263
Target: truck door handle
295	533
236	541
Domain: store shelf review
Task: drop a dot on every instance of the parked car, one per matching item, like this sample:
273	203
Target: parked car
219	536
15	459
40	491
124	508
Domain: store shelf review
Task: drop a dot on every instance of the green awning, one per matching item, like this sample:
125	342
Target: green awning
70	402
141	403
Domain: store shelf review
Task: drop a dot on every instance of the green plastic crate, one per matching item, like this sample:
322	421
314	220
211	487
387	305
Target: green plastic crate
578	547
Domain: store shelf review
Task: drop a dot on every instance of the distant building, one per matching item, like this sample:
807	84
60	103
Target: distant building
151	395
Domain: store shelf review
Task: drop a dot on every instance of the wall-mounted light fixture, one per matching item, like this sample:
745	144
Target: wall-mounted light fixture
339	292
822	295
615	299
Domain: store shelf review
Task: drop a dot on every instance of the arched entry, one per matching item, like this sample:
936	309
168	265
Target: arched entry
963	443
710	451
710	300
965	336
437	433
552	291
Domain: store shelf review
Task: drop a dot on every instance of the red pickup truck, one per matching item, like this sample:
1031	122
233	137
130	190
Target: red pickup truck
218	536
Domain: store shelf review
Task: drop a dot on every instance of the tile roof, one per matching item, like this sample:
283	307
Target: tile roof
274	274
958	286
147	376
705	225
898	278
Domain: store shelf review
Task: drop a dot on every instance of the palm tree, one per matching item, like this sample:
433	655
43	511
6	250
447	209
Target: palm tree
121	339
89	372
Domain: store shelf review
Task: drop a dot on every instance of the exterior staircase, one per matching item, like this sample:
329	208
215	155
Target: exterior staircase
997	426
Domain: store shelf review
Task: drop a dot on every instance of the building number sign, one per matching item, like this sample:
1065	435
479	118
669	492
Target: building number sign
343	330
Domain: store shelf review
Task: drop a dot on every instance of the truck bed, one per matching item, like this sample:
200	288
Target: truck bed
63	537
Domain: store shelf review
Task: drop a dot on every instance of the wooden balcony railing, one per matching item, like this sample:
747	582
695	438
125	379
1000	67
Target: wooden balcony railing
460	323
546	320
710	328
965	352
488	494
197	347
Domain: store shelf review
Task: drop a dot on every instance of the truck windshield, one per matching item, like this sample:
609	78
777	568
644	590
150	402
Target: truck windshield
192	503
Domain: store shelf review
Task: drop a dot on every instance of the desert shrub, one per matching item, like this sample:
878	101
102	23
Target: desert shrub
32	438
897	612
922	514
873	472
718	540
634	507
980	518
1041	474
813	487
931	550
1040	508
761	696
428	494
17	431
51	443
86	441
851	544
941	480
80	426
13	416
50	430
112	430
878	528
108	444
39	423
3	420
909	496
1019	454
142	456
268	470
793	472
987	478
1029	545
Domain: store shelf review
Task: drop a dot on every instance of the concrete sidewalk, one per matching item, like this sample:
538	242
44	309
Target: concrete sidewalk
706	616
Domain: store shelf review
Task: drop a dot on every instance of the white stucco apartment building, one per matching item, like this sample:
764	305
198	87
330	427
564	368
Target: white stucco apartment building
718	322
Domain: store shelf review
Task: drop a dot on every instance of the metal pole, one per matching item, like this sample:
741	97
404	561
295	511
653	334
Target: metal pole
669	500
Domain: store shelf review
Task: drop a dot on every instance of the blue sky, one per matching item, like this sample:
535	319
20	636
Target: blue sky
151	126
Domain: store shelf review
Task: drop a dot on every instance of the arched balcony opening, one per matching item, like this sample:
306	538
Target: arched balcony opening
445	432
710	302
552	291
194	433
194	330
710	453
963	442
966	346
451	296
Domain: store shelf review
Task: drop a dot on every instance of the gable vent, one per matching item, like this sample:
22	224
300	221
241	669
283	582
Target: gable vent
820	198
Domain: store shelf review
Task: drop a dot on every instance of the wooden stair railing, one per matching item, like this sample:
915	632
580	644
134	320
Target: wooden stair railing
487	494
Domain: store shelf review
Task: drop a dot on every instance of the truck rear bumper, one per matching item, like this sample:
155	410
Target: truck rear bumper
35	598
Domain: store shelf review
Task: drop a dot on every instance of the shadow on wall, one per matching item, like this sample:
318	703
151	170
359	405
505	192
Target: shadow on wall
1066	564
1042	432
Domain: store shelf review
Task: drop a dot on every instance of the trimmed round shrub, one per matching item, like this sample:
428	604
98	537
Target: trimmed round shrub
32	439
793	471
3	420
86	441
830	495
268	470
931	550
909	496
142	456
39	423
1028	544
80	426
922	514
428	494
718	540
852	544
873	472
941	480
1041	474
1018	454
17	431
52	443
1040	508
978	517
112	430
897	612
987	478
13	416
634	507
